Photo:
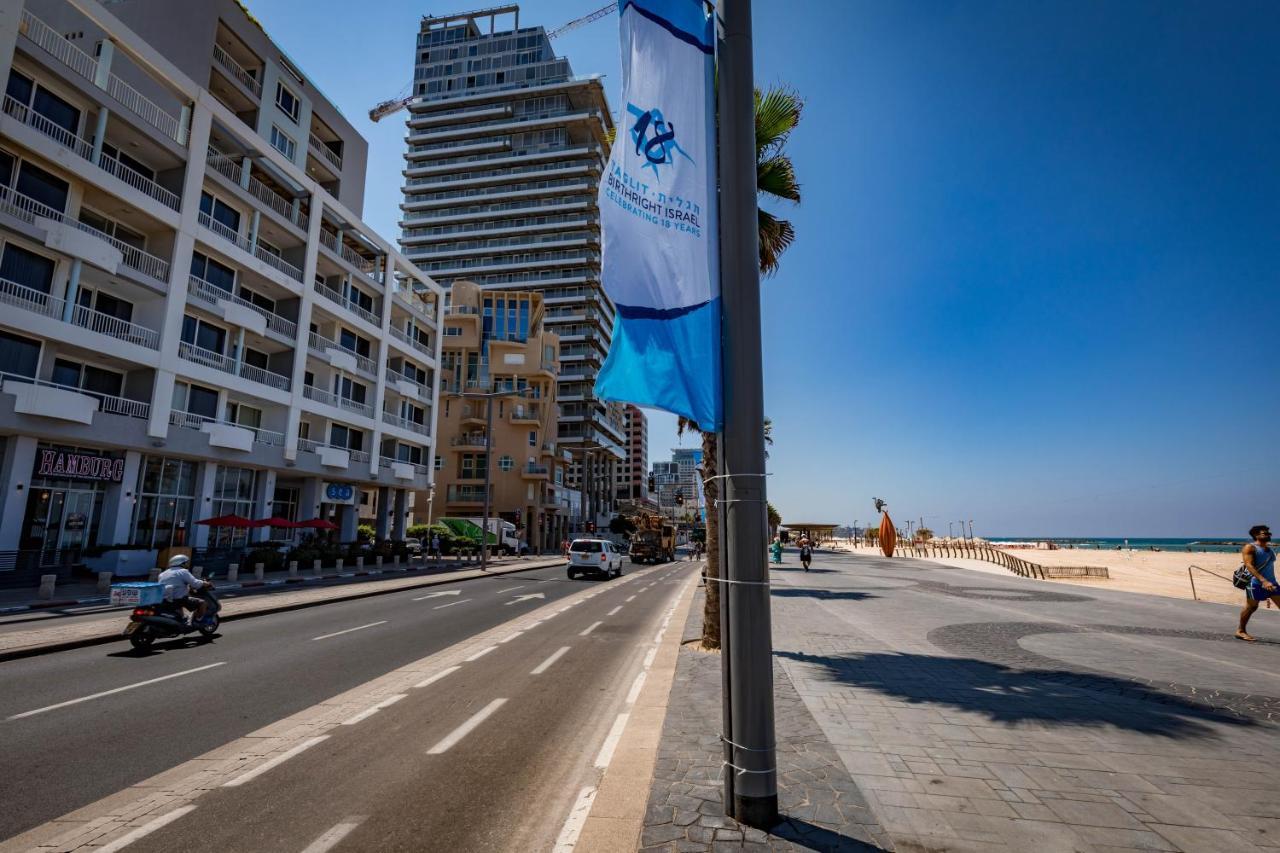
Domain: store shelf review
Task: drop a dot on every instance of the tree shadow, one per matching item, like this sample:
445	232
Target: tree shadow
824	594
1006	695
783	567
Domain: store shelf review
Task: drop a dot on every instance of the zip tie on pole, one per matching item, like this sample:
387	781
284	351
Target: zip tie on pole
742	770
749	583
747	748
739	501
727	476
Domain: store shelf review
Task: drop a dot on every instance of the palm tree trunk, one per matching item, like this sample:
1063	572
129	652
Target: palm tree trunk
710	489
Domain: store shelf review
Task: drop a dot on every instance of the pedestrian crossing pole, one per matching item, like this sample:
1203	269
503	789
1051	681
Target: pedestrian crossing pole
751	785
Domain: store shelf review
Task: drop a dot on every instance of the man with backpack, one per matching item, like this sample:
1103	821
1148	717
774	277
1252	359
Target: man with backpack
1260	563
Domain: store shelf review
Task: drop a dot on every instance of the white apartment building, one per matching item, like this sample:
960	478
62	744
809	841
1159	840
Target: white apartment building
505	147
195	320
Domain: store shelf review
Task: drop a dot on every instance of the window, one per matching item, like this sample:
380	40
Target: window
195	400
288	103
341	435
23	90
75	375
245	416
220	211
533	438
166	497
283	143
452	331
506	463
358	297
104	303
112	228
351	341
439	463
38	184
348	390
218	274
233	494
268	305
134	164
204	335
472	465
415	373
269	248
19	355
26	268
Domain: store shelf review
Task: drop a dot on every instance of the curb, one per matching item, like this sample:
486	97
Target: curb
429	580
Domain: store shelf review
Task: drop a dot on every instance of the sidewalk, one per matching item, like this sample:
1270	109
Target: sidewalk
54	635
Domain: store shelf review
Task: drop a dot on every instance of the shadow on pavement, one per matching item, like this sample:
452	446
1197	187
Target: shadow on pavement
825	594
808	836
1008	695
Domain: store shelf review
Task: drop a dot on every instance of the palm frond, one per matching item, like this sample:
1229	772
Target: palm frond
775	236
776	177
777	112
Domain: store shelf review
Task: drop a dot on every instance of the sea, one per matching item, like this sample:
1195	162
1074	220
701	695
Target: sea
1205	543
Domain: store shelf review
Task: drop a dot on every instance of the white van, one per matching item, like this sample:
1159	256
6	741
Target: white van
595	557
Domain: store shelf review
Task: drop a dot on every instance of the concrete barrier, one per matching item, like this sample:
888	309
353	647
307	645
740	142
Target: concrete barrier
293	568
104	581
359	564
339	564
377	564
47	585
233	573
259	571
316	569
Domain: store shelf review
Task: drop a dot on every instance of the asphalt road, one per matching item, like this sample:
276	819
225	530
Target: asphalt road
191	698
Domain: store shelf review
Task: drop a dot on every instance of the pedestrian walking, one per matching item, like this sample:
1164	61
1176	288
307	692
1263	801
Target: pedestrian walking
1260	563
435	546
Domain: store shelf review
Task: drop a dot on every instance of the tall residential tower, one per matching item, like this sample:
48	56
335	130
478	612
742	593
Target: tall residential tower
505	152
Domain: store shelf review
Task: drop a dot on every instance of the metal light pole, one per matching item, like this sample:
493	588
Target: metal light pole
971	530
751	782
488	397
951	529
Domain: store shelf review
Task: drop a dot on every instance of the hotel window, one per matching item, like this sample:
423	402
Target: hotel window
95	380
45	188
287	102
533	438
220	212
348	390
204	335
233	491
112	228
166	498
242	415
39	99
26	268
217	274
136	165
341	435
195	400
283	143
439	463
506	463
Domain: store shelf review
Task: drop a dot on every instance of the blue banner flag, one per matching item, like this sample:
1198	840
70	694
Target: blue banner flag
658	216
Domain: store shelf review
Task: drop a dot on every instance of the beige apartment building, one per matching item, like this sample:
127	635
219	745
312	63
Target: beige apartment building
495	341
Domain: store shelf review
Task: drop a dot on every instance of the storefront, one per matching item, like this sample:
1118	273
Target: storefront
64	504
166	499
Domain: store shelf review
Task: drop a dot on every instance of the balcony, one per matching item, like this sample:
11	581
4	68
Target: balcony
403	385
405	423
331	455
38	302
465	494
337	401
32	401
338	298
232	171
227	364
469	441
29	210
87	67
324	152
189	420
84	149
532	471
322	346
526	413
213	294
331	242
415	468
414	342
245	244
237	73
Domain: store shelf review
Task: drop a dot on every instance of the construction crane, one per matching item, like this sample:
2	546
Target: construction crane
395	105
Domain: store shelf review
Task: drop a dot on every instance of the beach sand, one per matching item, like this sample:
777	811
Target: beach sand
1146	572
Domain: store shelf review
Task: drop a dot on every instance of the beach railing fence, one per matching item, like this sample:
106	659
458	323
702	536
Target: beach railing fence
1191	570
1017	565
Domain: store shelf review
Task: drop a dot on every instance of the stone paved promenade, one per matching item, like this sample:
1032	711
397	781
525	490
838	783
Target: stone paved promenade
982	712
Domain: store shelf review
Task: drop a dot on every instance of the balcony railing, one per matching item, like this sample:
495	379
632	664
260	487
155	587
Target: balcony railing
314	447
278	262
471	440
190	420
406	423
232	236
212	293
414	342
331	242
423	391
336	296
105	324
231	170
532	468
465	494
147	109
106	402
321	344
418	468
227	364
26	115
237	72
324	151
337	401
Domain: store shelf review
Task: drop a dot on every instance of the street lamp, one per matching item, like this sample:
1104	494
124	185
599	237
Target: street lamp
971	530
488	397
588	478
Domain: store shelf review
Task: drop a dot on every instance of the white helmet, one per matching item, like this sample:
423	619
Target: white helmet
179	561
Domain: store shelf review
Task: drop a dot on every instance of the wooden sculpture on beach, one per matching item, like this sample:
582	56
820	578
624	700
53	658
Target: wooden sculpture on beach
888	534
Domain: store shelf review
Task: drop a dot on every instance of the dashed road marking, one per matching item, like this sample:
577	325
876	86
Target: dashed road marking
568	838
631	598
546	664
479	654
274	762
634	693
450	604
146	829
331	838
511	589
614	611
611	742
451	740
349	630
370	711
115	690
510	637
590	628
426	682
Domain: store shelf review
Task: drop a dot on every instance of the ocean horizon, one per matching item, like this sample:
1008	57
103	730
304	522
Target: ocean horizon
1216	544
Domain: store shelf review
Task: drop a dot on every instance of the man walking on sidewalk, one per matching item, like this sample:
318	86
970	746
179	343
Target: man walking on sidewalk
1260	560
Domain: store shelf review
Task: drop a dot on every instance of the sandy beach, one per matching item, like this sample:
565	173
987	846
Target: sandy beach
1147	572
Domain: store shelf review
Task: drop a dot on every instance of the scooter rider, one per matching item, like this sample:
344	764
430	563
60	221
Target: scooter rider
179	582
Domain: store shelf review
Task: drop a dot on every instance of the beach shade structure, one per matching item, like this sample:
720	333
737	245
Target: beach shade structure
316	524
236	521
275	521
888	535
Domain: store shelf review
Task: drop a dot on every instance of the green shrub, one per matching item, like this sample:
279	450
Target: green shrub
366	532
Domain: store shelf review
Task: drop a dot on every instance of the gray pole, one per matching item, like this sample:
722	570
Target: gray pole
746	634
488	467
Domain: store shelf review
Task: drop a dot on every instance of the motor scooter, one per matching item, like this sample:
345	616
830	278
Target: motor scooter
167	620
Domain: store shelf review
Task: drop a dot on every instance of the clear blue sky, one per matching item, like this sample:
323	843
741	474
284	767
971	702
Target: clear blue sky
1038	254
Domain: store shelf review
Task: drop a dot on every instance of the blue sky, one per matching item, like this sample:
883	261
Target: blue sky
1037	261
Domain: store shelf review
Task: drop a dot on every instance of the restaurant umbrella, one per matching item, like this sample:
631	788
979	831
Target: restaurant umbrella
237	521
276	521
317	524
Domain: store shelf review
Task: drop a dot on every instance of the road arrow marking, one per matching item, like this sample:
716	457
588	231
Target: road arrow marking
526	597
438	594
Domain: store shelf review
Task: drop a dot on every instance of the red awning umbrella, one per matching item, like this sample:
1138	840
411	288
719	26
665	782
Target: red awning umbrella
238	521
275	521
317	524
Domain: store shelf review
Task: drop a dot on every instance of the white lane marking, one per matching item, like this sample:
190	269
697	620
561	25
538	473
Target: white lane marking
426	682
614	611
116	690
330	839
438	594
479	654
274	762
450	604
611	742
526	597
568	838
648	658
512	588
590	628
510	637
634	693
546	664
373	709
146	829
349	630
451	740
657	638
630	598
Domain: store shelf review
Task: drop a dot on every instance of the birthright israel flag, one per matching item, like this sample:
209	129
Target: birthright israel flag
658	215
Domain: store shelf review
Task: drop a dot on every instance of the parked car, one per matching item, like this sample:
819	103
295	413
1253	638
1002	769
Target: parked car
413	545
598	557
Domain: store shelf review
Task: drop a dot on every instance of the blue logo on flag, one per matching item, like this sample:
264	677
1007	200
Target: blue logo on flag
655	148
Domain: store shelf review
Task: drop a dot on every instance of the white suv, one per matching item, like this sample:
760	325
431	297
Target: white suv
595	557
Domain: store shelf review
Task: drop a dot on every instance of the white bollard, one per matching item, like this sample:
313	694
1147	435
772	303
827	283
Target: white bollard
316	569
47	585
104	581
233	573
359	564
293	568
339	562
395	562
258	571
377	564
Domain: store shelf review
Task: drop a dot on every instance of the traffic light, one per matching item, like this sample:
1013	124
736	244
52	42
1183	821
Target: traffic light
679	497
653	483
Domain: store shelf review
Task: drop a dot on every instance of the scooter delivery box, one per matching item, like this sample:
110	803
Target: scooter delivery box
137	594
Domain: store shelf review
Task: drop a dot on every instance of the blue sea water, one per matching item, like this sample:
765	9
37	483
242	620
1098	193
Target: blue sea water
1217	544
